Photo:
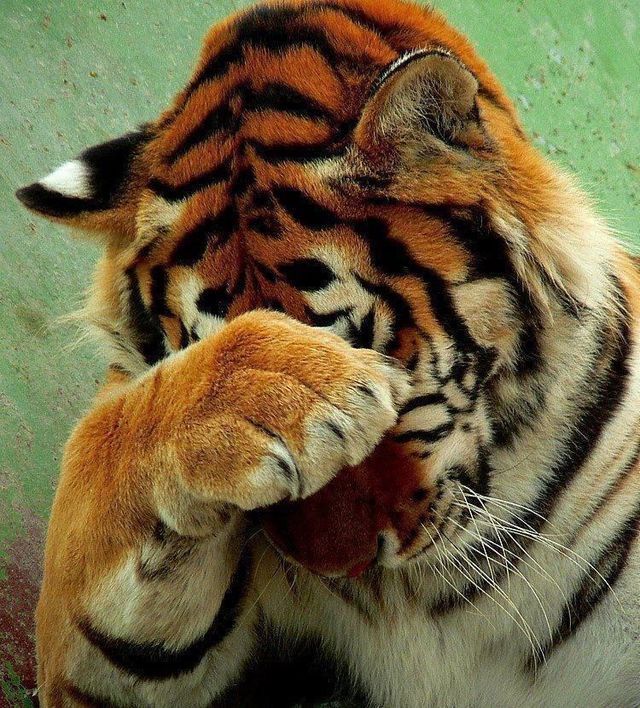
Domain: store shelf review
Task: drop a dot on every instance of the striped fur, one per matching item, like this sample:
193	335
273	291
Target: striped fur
351	165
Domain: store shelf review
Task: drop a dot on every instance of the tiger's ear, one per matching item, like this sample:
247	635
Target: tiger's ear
425	101
96	191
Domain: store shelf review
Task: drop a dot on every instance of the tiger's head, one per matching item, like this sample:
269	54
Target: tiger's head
355	164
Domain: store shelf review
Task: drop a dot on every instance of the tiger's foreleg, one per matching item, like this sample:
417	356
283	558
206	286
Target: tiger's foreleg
147	596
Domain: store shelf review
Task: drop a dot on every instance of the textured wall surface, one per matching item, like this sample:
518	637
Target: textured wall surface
75	72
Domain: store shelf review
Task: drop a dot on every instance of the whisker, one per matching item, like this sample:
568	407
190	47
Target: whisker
533	565
450	583
520	621
509	566
507	504
559	548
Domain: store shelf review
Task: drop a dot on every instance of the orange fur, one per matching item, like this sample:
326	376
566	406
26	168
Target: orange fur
189	441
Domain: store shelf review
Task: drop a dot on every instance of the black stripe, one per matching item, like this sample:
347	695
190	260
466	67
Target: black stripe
616	483
244	179
274	96
388	255
289	472
594	587
297	152
148	333
430	399
359	18
217	66
477	480
241	283
273	29
326	319
172	193
265	271
214	301
425	436
84	698
305	210
262	199
185	339
119	369
606	398
218	120
361	336
170	551
193	245
399	306
412	363
445	311
275	305
278	96
266	225
508	422
391	257
333	427
307	274
152	661
159	284
366	390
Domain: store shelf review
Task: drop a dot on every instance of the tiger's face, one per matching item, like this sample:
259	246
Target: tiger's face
354	164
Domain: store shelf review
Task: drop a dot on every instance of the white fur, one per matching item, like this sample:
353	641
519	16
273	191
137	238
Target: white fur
71	179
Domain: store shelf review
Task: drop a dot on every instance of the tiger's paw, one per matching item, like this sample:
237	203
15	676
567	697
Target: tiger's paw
291	406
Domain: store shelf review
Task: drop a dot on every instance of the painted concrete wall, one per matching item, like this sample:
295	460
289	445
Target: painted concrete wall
75	72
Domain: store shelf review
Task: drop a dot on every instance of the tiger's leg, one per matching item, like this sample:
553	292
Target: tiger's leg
147	596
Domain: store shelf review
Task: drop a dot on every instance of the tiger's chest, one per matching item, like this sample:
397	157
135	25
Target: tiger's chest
411	657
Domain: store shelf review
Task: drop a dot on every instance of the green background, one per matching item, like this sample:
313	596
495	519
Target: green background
75	72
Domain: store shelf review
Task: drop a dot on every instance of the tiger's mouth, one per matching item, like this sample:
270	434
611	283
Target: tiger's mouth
388	518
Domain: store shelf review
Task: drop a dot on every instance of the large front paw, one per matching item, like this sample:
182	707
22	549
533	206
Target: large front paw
291	407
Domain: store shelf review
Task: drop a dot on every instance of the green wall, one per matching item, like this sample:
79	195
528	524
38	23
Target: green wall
74	72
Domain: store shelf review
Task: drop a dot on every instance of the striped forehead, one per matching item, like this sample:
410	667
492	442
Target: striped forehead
236	179
251	123
277	85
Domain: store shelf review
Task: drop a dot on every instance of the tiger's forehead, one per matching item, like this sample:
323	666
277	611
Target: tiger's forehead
283	84
236	211
276	88
276	84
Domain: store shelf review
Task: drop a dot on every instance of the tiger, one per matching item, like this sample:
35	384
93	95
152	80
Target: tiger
338	238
